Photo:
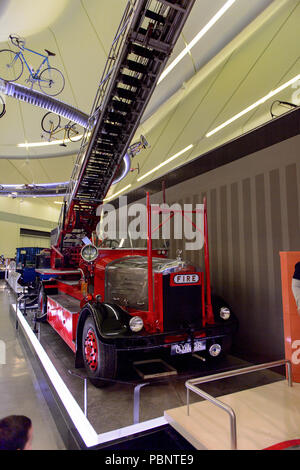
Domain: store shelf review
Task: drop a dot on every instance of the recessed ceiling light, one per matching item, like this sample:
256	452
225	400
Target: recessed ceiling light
197	38
254	105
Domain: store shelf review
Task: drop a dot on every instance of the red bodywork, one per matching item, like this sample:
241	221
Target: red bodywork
65	322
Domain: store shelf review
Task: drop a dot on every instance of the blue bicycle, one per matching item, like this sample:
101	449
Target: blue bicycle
51	81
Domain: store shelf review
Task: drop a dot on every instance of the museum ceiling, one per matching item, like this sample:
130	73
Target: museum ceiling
220	88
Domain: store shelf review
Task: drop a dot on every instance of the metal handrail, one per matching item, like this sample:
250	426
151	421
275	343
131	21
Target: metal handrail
191	385
136	392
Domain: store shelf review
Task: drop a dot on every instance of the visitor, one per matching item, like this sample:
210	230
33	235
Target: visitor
296	286
16	433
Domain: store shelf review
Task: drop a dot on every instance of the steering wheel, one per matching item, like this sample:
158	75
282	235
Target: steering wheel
114	244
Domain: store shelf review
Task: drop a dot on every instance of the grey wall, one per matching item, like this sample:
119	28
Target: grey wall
253	213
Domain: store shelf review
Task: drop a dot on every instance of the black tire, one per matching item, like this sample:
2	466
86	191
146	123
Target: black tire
42	302
11	67
2	107
51	81
100	360
50	122
73	134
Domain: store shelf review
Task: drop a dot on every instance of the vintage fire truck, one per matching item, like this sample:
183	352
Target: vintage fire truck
119	298
104	300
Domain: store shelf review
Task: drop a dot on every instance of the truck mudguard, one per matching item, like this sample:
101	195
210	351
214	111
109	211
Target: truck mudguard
111	321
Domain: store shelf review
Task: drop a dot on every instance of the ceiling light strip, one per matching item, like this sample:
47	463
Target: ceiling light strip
33	186
166	162
197	38
45	144
117	194
254	105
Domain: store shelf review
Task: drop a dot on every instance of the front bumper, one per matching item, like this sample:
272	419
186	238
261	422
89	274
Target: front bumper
146	342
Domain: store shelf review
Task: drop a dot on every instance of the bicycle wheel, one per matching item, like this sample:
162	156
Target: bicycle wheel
2	107
11	65
51	81
73	134
50	123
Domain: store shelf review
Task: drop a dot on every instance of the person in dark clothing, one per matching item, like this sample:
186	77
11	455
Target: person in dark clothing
296	286
15	433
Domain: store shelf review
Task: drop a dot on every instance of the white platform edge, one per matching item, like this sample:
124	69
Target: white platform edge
82	424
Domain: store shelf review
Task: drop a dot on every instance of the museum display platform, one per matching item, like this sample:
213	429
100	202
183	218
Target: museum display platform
266	415
129	411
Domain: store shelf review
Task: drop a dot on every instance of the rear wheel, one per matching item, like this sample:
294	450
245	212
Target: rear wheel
100	360
51	81
50	122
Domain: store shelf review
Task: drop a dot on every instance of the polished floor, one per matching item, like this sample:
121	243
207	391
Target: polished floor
19	389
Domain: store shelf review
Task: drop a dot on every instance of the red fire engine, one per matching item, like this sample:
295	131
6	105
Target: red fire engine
106	300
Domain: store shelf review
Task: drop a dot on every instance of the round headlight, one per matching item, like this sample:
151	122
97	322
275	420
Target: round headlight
225	313
89	253
215	350
136	324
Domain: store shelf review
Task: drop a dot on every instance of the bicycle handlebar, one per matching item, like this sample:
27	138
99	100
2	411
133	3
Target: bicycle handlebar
17	41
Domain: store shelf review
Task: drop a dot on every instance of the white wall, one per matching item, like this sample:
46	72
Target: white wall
31	214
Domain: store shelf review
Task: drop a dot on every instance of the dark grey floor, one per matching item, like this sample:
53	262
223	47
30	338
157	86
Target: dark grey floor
112	407
19	389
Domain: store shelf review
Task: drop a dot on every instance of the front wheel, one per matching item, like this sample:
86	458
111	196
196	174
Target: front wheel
51	81
100	360
11	65
73	134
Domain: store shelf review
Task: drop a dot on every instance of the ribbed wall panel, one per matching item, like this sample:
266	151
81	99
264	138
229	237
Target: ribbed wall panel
253	213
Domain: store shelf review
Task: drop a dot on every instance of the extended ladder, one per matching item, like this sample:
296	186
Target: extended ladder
142	46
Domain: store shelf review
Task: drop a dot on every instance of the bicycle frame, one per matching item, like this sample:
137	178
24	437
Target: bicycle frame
59	130
46	60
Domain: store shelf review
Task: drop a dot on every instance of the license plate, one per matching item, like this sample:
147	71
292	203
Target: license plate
185	348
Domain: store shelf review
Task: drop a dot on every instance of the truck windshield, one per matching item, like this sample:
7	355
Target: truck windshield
130	243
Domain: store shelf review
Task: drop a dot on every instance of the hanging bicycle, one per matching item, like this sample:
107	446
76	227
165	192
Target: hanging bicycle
51	125
51	81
